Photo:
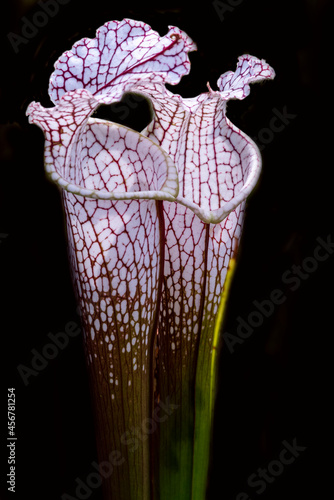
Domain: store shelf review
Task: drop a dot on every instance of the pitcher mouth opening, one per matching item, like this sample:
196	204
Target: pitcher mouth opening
133	111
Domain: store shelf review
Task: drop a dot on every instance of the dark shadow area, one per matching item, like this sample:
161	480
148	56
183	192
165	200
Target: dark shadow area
133	111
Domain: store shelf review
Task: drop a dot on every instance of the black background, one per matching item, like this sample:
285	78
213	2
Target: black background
276	385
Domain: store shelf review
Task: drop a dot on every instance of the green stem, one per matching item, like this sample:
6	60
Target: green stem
205	392
175	441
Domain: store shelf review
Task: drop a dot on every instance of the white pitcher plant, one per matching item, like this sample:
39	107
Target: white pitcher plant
153	222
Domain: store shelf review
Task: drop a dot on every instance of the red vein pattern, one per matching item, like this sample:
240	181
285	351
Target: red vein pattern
115	255
145	268
121	49
213	159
